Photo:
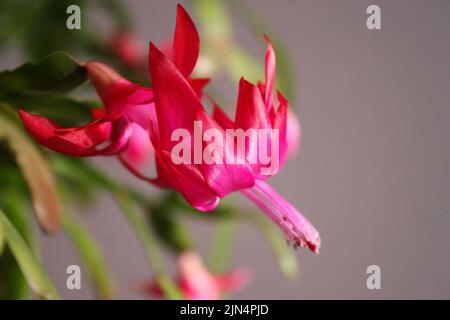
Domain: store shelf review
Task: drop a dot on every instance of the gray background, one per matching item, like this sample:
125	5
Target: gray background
374	169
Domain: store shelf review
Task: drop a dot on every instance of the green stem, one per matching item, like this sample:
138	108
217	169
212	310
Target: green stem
149	244
222	245
91	255
31	267
286	259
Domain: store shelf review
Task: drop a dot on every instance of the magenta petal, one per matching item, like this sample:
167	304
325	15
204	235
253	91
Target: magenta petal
221	176
140	96
175	101
141	114
187	180
139	149
118	139
186	43
251	114
198	84
121	95
80	141
293	134
234	280
250	110
280	123
297	229
270	71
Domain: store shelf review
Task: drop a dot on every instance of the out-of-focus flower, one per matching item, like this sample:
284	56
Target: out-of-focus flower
125	47
293	134
197	283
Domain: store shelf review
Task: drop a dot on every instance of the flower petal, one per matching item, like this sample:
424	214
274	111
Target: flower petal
280	123
297	229
251	114
175	101
270	72
186	43
73	141
250	110
234	280
198	84
121	132
221	176
187	180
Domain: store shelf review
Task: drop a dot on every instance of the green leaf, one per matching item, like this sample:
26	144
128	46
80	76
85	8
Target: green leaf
43	29
36	173
170	231
92	257
13	285
84	171
221	246
240	64
32	269
214	17
62	109
285	256
56	73
12	282
2	241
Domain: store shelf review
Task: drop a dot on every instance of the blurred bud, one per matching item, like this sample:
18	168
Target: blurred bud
129	51
197	283
293	134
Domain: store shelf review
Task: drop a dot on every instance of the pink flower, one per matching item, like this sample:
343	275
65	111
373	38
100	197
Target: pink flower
197	283
130	112
202	184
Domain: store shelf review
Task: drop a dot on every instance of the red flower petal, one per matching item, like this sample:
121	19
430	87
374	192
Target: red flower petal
198	84
72	141
234	280
186	43
280	123
270	71
250	111
187	180
175	101
223	177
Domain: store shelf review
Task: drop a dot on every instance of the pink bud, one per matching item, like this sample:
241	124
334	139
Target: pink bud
293	134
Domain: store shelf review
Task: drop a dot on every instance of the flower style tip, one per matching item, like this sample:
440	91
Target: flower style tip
297	229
